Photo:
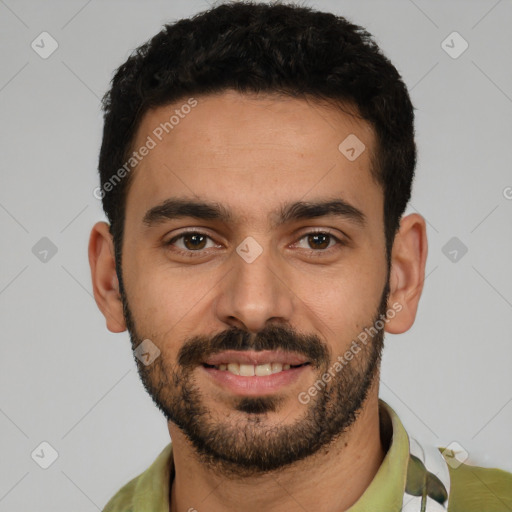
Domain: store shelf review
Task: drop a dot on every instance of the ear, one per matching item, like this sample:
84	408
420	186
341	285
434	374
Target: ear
408	258
104	278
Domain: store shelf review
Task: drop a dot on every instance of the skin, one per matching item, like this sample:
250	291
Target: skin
252	154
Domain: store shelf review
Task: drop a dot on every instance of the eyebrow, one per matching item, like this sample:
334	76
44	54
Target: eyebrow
176	208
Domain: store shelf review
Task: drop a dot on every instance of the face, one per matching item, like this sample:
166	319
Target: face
253	257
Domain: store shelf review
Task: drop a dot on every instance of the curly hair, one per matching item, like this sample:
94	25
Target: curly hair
263	48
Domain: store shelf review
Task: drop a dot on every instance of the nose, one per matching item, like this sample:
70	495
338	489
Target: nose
255	293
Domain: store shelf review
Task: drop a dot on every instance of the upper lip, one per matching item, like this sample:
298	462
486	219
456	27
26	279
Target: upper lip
255	358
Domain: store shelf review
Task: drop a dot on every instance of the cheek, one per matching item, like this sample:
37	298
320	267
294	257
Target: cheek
163	298
341	305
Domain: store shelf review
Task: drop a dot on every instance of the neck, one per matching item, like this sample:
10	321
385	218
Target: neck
332	480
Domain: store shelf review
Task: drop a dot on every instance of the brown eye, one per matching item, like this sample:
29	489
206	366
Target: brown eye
190	242
194	241
319	240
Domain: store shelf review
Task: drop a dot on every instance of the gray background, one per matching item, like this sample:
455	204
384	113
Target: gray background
66	380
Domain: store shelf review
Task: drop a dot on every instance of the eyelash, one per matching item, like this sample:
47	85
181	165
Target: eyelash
200	252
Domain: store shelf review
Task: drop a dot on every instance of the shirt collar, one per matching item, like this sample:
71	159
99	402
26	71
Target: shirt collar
386	490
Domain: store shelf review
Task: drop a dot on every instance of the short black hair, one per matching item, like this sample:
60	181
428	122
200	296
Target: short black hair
262	48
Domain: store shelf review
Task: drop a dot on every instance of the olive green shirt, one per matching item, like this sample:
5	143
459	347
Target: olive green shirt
411	478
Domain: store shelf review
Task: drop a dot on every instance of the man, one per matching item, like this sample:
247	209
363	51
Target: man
255	167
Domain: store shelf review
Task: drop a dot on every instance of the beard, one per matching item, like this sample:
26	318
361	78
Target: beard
250	445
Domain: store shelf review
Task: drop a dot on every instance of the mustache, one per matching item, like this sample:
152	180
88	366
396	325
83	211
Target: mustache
274	337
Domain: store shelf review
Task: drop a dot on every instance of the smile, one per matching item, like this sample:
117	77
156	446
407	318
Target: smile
251	370
255	373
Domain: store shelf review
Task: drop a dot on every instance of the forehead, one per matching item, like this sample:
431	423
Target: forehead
251	153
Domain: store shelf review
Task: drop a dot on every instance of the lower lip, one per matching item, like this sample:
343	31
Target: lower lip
253	386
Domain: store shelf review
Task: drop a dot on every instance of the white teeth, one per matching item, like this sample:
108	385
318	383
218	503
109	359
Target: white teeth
247	370
234	368
250	370
277	367
263	369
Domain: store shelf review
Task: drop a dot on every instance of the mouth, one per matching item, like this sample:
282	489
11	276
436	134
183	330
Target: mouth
255	373
251	363
251	370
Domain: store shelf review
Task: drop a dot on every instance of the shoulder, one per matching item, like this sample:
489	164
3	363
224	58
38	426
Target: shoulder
122	501
473	488
147	491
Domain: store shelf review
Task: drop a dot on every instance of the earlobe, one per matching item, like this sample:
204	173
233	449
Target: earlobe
104	278
408	261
